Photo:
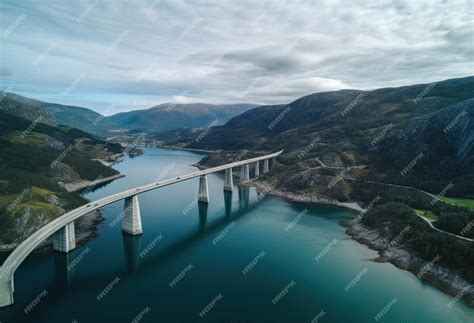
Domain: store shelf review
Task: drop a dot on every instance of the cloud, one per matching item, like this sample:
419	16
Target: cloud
139	53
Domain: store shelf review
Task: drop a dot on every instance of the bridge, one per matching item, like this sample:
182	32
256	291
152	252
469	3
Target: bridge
62	228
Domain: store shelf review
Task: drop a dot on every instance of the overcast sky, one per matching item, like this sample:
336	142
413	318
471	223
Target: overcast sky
122	55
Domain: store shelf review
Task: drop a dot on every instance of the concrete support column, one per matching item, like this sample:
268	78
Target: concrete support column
132	220
64	240
203	195
244	173
257	169
265	166
228	181
274	161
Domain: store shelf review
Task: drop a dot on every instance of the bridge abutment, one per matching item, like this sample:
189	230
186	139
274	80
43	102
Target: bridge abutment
6	292
228	181
203	194
132	221
64	240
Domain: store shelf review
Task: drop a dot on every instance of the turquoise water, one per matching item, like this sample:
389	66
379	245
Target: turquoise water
188	265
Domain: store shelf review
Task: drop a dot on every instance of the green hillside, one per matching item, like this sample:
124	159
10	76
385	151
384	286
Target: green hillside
383	130
36	160
57	114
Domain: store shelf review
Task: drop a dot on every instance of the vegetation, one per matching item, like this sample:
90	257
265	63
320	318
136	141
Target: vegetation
35	160
384	130
429	215
467	203
393	218
448	217
56	114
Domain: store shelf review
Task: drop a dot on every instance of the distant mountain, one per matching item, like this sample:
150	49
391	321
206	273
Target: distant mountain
384	129
170	116
56	114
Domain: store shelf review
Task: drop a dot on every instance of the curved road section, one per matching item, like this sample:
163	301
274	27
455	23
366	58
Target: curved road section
20	253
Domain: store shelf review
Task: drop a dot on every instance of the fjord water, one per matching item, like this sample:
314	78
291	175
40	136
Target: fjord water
190	255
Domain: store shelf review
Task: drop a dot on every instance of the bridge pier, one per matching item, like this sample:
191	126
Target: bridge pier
132	221
265	166
203	195
228	181
257	169
244	173
64	240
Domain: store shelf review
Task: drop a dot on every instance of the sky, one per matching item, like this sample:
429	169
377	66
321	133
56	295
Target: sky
113	55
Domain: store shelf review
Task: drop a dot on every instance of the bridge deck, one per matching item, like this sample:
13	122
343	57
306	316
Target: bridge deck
27	246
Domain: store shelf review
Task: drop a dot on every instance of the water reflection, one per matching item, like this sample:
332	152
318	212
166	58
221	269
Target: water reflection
202	215
228	204
63	269
244	195
132	248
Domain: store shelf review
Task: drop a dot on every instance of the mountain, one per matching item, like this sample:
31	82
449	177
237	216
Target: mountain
163	117
56	114
37	163
170	116
384	129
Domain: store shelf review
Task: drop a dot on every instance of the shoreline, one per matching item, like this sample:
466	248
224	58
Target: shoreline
76	186
288	196
437	276
187	149
441	278
111	160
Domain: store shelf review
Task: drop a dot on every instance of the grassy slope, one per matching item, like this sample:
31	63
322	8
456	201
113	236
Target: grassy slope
427	214
466	203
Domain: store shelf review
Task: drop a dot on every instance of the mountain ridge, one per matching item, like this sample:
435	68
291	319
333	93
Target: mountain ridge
177	115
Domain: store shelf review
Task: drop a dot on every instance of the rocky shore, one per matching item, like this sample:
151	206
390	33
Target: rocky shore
266	188
70	187
438	276
110	160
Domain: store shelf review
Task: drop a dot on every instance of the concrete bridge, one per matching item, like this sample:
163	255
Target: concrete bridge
62	228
